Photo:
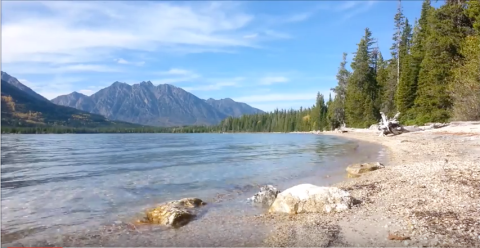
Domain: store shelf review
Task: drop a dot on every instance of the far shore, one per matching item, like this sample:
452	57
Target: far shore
427	195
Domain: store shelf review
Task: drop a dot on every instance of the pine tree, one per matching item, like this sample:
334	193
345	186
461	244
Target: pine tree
448	26
389	88
362	86
337	108
406	89
382	77
397	38
465	86
473	12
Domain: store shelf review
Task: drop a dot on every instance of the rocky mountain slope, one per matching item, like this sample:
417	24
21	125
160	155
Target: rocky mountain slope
23	107
14	82
232	108
147	104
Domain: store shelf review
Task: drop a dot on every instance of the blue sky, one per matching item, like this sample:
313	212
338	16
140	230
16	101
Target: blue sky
264	53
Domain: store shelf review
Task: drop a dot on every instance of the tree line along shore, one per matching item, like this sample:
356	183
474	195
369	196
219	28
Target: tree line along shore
433	75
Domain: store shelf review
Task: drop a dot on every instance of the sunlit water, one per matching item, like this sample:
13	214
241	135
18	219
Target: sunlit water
65	183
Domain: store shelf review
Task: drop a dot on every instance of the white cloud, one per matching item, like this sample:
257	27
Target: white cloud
70	31
216	84
176	75
59	85
299	17
40	68
273	80
365	6
176	71
211	87
347	5
122	61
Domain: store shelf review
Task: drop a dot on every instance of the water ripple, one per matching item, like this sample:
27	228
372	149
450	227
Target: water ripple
79	180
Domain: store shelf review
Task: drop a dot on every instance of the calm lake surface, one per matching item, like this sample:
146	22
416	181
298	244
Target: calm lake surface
53	184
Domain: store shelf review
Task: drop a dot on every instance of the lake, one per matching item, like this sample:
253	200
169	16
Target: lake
61	184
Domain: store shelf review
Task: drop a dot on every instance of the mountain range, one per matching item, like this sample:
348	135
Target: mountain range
162	105
23	107
143	103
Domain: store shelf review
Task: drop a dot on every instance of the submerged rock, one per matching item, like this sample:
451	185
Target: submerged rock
308	198
355	170
174	213
265	197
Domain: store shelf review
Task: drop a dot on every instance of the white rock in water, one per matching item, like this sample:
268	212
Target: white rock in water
266	196
308	198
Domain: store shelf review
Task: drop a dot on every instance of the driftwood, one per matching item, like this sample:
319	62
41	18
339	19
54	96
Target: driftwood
342	128
390	126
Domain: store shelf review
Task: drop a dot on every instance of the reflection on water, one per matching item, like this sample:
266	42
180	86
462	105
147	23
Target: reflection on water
63	183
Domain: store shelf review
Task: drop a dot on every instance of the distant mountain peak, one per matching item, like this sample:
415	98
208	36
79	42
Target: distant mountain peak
16	83
117	83
77	94
147	83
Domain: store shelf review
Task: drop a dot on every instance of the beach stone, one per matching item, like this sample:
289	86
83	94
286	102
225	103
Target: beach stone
308	198
266	196
174	213
355	170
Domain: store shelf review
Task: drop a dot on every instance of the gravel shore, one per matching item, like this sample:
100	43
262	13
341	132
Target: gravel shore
427	195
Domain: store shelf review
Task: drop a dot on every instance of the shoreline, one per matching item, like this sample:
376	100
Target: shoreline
428	194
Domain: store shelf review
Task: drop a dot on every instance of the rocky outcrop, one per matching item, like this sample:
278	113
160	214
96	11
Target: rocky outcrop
355	170
174	213
265	197
308	198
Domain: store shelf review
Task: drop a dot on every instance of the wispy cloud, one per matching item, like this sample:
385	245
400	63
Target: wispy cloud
126	62
176	75
273	80
347	5
211	87
250	36
216	84
176	71
75	29
59	85
122	61
361	7
299	17
41	68
174	80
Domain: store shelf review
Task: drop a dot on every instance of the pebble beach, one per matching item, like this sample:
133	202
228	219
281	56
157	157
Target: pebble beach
428	194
